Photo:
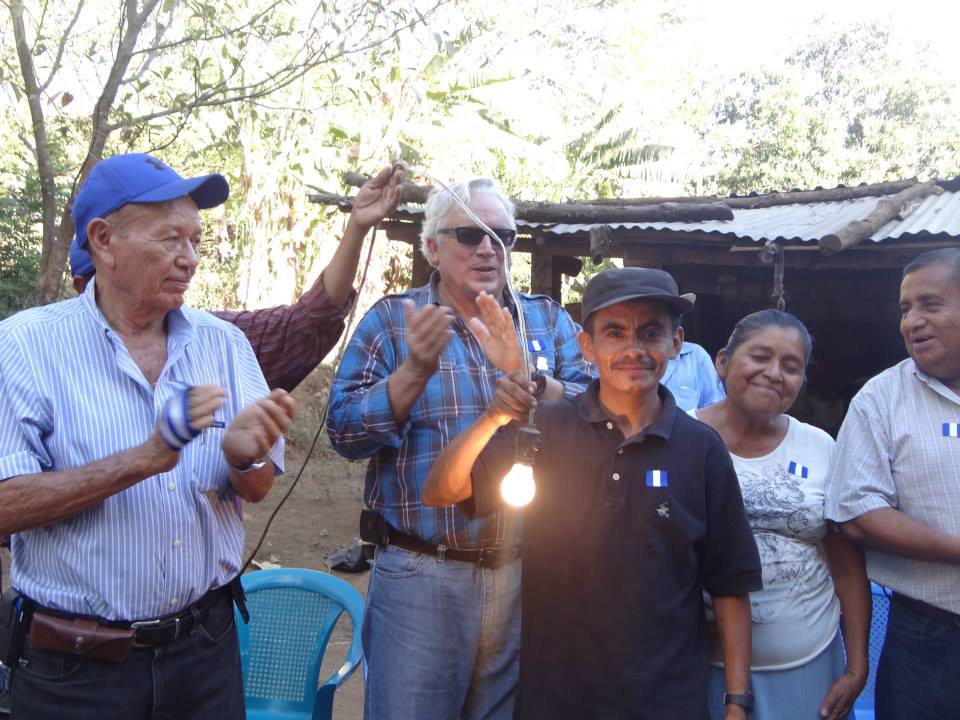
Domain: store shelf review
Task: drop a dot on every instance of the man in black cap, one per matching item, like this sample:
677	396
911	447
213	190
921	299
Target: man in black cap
637	511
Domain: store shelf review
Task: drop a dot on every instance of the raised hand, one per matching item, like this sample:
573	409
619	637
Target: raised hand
377	198
496	334
257	427
513	399
428	332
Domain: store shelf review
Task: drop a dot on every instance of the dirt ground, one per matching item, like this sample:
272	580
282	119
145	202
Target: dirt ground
320	516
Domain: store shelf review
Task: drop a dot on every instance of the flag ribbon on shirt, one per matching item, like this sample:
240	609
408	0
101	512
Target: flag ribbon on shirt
951	429
795	468
657	478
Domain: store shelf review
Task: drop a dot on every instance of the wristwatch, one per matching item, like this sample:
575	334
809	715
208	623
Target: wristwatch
539	381
250	467
744	700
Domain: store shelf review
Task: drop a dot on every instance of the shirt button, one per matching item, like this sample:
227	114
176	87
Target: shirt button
177	543
616	476
174	602
619	451
609	426
171	486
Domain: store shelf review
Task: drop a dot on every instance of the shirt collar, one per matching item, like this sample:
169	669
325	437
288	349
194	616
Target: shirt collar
593	412
180	327
934	384
433	294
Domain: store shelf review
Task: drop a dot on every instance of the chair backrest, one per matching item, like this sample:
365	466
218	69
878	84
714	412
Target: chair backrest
878	632
292	614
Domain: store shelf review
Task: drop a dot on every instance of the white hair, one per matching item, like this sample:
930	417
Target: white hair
441	200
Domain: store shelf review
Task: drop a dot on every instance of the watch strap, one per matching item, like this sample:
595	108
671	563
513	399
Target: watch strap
250	467
744	700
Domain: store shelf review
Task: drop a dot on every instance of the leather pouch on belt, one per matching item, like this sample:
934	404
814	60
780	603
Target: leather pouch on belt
80	637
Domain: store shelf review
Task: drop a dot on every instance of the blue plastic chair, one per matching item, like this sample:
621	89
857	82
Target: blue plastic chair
863	707
292	614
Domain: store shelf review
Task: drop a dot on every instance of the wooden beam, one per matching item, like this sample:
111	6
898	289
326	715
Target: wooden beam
584	213
418	194
887	209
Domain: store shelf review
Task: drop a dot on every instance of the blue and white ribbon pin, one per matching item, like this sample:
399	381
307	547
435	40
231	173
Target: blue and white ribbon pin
951	429
657	478
795	468
175	427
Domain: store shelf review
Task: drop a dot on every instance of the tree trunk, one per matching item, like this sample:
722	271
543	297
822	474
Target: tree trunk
41	150
56	243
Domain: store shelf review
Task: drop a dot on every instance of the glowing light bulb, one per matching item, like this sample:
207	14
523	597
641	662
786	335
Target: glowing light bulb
517	487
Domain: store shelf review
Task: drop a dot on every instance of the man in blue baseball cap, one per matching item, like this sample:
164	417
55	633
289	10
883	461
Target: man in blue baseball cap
291	340
132	429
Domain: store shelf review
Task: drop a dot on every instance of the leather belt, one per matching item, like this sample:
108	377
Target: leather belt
489	557
61	632
931	611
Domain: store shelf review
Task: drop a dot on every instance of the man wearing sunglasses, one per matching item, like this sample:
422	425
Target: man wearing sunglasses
441	632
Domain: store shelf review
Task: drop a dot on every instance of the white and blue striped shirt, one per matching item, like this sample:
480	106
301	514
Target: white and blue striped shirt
71	394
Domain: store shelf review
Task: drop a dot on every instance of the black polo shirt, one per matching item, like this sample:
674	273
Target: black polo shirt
618	545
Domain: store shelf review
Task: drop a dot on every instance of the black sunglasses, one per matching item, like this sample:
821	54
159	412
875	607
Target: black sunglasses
473	236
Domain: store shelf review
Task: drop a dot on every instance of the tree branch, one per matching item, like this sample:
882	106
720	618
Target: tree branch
154	49
61	46
224	95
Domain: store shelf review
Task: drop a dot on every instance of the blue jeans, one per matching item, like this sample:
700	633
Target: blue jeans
441	638
197	677
918	675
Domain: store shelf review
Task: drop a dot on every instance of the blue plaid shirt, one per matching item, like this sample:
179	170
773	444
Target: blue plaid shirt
361	423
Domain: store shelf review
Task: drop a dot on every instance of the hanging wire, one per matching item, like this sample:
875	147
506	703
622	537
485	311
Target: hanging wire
778	291
346	336
521	328
322	417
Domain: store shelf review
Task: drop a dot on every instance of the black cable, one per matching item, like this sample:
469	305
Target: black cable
323	411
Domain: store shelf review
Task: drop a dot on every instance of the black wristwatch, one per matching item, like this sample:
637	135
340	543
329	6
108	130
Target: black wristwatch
539	381
744	700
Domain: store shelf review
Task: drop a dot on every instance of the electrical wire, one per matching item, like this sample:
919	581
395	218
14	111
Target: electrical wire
521	320
521	330
344	338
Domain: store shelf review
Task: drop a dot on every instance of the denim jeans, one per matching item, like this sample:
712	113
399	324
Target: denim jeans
441	638
918	675
197	677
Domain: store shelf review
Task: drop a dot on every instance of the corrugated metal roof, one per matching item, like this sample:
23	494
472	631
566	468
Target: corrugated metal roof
806	222
797	222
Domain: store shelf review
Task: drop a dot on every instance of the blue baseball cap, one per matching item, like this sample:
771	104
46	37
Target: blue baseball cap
139	178
81	264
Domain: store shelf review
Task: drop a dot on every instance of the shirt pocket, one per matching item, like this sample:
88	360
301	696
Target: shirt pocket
205	458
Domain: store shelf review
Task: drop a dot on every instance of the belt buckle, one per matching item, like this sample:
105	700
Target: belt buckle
135	626
487	557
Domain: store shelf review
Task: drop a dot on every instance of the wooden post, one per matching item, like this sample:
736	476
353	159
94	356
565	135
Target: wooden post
421	268
541	274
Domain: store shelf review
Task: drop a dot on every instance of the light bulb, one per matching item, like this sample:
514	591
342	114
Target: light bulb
517	487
